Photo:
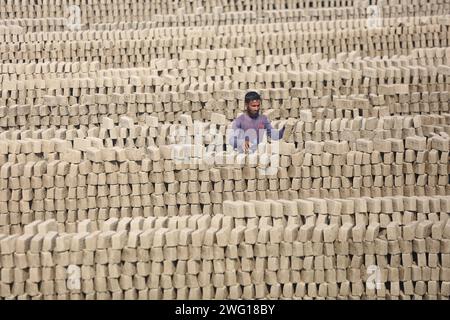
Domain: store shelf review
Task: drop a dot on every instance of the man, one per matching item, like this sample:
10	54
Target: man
249	128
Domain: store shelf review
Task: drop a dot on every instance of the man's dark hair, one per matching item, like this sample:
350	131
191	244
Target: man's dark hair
252	95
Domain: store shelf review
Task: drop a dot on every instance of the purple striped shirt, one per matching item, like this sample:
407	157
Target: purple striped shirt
245	127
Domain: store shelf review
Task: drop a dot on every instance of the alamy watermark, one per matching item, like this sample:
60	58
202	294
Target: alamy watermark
222	149
374	280
73	21
74	278
374	17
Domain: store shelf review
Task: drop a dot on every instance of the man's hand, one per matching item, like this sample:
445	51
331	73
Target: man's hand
246	146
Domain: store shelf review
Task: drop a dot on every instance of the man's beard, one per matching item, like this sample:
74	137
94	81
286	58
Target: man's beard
253	115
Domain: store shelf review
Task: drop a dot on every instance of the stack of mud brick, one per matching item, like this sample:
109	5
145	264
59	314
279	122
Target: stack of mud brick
364	248
132	170
67	94
146	130
195	13
136	48
117	180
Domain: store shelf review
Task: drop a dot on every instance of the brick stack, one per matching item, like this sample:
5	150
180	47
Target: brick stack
137	48
302	249
48	16
64	94
117	180
70	175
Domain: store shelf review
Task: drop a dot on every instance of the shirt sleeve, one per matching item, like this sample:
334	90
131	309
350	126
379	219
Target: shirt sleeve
274	134
237	135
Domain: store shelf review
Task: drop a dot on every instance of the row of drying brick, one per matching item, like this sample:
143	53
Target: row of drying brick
137	8
410	25
161	28
416	98
26	105
21	106
397	78
269	226
23	26
319	220
141	52
153	29
218	131
143	57
289	31
268	23
419	290
427	208
387	210
397	214
120	122
356	108
109	172
71	117
305	61
417	62
235	5
41	256
73	209
421	64
393	79
47	69
189	15
343	14
415	151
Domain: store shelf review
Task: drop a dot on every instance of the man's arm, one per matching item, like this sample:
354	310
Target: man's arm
236	138
271	132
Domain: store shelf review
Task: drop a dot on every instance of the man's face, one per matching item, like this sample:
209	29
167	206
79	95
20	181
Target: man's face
253	107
